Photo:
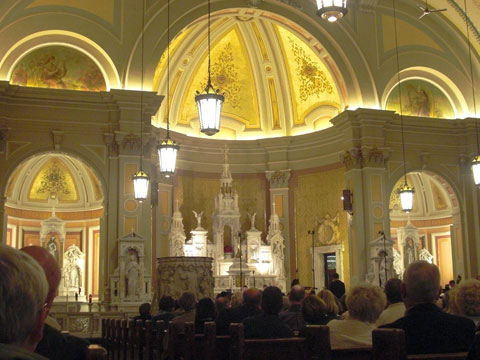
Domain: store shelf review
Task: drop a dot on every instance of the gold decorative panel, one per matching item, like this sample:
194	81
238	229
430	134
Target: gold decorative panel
53	180
279	205
232	74
130	224
58	67
274	100
164	202
311	83
376	188
130	169
131	205
312	203
438	197
95	183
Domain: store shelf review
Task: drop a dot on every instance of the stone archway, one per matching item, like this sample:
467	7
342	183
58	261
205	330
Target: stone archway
430	230
55	200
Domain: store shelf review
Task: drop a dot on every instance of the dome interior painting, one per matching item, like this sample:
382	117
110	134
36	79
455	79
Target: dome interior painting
58	181
258	62
58	67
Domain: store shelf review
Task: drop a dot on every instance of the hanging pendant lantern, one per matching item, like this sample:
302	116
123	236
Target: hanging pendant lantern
140	178
209	103
167	155
140	185
331	10
406	197
168	149
209	106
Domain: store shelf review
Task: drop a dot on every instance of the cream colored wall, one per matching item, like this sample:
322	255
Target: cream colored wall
317	194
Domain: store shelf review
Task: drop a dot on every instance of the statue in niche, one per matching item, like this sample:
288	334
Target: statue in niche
72	276
252	220
199	220
397	263
52	247
409	252
382	268
278	256
132	274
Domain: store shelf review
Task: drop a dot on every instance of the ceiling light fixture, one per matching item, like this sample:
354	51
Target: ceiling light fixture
476	159
332	10
209	102
140	178
406	192
168	149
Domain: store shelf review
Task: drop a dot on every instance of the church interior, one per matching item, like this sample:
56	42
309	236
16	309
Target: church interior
322	123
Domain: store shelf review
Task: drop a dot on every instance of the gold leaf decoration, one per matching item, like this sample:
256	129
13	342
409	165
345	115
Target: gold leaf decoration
225	75
54	182
313	80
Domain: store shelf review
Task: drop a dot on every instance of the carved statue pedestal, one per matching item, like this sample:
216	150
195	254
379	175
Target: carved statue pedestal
199	242
178	274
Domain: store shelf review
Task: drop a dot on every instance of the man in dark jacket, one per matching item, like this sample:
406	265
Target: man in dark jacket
293	317
337	287
427	328
250	307
268	325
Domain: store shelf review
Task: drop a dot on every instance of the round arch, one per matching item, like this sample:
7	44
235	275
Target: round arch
63	38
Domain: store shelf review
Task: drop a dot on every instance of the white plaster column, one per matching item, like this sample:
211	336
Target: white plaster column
3	221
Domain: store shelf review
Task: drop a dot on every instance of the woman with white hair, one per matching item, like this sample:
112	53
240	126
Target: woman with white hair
365	304
467	300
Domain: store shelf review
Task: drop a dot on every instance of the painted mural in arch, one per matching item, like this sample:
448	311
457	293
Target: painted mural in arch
420	98
58	67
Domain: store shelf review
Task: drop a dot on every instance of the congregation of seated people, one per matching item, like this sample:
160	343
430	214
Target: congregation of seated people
431	324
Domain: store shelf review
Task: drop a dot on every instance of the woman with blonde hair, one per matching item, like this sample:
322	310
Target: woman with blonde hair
467	300
331	304
365	304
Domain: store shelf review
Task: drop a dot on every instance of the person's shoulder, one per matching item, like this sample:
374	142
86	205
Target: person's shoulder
398	324
460	320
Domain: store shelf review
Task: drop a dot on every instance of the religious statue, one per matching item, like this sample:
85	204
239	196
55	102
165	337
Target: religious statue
72	276
409	253
132	274
199	220
52	247
252	220
278	257
397	263
382	268
178	247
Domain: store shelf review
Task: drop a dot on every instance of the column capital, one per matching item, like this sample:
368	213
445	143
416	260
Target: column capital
279	178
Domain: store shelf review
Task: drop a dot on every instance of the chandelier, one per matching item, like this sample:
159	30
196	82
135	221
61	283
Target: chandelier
406	192
140	178
168	149
209	102
332	10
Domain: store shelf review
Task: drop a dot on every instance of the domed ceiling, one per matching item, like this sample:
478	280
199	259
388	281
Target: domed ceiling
54	180
433	198
276	78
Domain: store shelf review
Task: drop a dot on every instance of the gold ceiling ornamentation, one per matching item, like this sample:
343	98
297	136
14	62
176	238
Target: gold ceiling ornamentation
313	80
54	180
225	77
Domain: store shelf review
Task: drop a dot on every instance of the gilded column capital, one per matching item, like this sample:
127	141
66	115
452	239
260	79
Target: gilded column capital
375	157
112	145
352	159
279	178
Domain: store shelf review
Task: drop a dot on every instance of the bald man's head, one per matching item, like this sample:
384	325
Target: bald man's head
421	283
50	267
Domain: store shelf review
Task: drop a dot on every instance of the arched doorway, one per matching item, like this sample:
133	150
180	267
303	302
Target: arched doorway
427	232
56	201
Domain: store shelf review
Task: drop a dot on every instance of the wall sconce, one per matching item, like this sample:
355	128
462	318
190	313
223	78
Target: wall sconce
347	199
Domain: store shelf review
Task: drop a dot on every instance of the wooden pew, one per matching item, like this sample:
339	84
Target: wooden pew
361	353
201	346
289	348
389	344
159	335
176	342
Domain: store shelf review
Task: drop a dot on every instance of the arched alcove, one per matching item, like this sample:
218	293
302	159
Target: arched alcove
55	201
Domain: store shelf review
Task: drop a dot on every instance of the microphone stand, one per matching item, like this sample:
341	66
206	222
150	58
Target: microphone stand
312	233
240	247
